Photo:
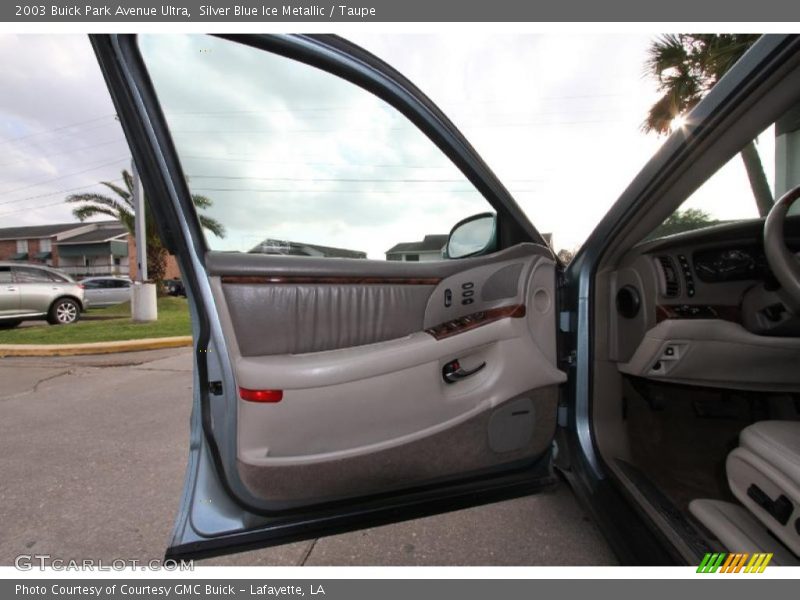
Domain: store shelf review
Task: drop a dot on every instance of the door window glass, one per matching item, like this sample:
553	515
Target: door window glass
291	160
748	184
28	275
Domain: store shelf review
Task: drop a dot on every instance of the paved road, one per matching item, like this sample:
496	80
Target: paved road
92	454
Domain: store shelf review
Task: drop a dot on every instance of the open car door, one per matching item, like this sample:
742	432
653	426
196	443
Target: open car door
334	391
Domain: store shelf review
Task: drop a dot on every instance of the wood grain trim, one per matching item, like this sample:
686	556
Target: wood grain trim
475	320
338	280
704	311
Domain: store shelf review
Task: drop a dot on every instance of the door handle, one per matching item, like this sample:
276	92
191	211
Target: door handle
452	371
11	288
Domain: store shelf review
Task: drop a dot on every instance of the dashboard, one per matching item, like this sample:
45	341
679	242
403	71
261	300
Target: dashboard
703	308
736	263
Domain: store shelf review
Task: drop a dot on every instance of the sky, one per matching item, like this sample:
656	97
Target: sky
287	152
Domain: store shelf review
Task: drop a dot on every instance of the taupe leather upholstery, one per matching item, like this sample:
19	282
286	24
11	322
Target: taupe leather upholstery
295	319
777	442
364	404
769	457
738	529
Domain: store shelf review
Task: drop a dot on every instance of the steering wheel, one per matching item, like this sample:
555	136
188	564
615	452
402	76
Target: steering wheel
785	266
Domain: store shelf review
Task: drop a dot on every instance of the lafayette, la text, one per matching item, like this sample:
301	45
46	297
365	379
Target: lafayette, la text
178	589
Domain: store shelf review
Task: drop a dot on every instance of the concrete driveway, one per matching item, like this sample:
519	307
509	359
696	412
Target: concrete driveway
92	454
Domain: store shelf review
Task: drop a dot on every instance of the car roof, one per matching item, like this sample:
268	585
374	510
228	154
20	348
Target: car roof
16	263
49	269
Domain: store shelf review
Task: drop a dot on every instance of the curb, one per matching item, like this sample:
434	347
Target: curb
94	347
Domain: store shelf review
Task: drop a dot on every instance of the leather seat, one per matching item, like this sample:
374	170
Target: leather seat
739	530
764	475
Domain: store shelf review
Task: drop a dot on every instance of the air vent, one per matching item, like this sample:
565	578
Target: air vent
672	280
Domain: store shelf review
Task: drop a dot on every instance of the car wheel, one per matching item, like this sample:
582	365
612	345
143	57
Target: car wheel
9	324
63	312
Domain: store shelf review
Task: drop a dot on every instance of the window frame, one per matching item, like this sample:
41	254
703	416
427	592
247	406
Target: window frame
349	62
46	276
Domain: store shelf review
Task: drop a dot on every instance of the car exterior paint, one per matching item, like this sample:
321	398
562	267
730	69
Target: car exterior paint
29	291
106	291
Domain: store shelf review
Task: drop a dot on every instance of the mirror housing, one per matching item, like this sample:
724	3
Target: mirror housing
473	236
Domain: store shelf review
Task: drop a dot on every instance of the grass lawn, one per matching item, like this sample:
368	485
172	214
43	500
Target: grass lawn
107	325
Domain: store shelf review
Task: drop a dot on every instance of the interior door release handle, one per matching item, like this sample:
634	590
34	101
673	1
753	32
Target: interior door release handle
452	371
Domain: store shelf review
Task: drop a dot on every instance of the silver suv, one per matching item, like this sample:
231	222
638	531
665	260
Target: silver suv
38	292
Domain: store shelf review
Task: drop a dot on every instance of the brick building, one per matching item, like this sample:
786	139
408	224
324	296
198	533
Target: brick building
79	249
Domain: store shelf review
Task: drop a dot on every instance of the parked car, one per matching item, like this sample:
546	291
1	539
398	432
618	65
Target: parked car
174	287
29	291
336	394
106	291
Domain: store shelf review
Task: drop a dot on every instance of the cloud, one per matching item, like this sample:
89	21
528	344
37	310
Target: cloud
51	82
289	152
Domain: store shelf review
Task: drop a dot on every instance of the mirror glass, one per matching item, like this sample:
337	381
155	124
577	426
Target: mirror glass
471	237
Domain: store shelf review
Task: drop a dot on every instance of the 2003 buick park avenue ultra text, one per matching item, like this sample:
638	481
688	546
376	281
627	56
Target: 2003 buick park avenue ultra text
336	392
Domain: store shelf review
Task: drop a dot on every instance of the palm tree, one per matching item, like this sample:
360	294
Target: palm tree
121	207
686	67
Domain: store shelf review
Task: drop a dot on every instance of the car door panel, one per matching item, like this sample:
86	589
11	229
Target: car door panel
35	290
366	429
317	317
386	418
453	450
9	293
121	291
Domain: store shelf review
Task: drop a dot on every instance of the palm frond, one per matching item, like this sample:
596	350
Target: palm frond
667	52
101	200
660	116
128	179
125	195
212	225
685	68
84	212
121	208
201	201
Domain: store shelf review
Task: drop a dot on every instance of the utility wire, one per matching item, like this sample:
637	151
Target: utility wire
30	135
30	209
324	191
350	107
81	187
100	166
229	158
279	131
68	151
31	144
343	179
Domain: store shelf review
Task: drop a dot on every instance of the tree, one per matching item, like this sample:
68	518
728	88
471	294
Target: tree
686	67
683	220
121	207
566	256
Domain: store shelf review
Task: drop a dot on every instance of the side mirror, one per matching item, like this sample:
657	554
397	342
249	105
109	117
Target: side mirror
473	236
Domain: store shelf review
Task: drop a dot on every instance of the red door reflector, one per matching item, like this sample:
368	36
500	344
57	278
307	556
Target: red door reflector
261	395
